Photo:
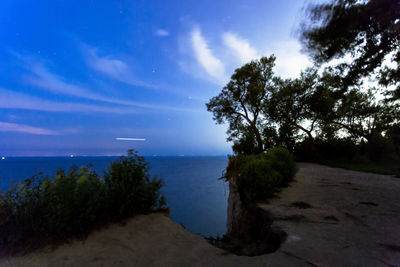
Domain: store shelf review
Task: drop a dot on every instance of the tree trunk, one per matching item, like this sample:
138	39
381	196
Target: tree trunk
310	137
258	138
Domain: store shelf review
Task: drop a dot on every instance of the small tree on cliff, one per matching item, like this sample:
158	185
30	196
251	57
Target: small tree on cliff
241	104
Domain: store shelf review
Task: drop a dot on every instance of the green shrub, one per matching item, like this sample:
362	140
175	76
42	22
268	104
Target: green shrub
259	176
129	189
44	210
283	162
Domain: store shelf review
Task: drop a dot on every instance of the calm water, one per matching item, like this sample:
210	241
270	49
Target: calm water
196	197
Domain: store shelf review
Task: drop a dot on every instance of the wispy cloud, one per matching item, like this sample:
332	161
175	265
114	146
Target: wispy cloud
45	79
161	33
240	47
204	56
116	69
13	100
14	127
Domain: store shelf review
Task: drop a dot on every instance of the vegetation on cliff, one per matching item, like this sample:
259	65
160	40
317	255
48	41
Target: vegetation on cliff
259	176
43	210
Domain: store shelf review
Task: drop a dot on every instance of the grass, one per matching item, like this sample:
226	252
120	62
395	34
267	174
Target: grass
301	205
388	168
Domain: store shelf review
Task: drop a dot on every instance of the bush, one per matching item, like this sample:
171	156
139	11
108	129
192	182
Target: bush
129	189
317	150
260	176
41	210
283	162
380	148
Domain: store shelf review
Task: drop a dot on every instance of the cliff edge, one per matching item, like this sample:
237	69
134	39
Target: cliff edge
332	217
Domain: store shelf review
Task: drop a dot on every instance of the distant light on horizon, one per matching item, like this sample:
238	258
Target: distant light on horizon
129	139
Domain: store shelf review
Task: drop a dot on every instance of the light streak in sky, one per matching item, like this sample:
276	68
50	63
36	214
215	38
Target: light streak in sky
129	139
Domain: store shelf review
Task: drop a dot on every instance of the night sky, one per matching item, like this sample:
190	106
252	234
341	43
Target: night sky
76	75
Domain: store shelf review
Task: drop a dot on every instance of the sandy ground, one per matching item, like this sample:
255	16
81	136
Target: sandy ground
367	209
150	240
366	232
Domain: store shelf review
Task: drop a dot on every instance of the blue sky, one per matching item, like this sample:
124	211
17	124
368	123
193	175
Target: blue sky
76	75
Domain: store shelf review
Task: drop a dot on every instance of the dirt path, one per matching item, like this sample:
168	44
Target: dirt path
366	231
354	219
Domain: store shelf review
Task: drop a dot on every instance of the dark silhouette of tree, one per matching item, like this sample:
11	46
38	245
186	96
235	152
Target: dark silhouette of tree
368	30
300	104
361	116
263	110
241	104
311	105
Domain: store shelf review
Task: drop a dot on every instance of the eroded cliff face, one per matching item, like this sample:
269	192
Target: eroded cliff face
234	208
249	228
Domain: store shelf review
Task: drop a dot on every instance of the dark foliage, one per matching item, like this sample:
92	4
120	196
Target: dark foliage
317	149
394	136
42	210
378	149
368	30
259	176
241	104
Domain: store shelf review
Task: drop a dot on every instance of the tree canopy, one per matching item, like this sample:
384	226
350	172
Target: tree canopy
367	30
241	104
329	110
263	110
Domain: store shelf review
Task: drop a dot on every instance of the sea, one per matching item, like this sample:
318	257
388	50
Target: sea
196	197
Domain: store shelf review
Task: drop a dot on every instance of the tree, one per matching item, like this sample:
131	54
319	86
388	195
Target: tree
368	30
310	105
361	116
241	104
299	104
263	110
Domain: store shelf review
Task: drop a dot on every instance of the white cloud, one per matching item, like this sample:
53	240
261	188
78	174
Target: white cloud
161	33
204	56
289	60
241	48
14	127
115	69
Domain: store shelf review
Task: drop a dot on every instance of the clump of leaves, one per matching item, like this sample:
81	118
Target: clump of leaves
260	176
43	210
